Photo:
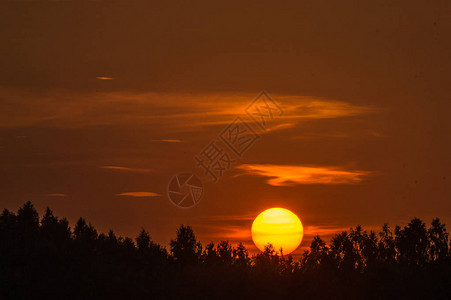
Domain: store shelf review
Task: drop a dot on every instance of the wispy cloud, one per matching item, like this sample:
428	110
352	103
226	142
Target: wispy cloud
235	234
104	78
237	228
228	218
230	232
126	169
299	107
168	141
171	112
286	175
56	195
321	135
139	194
281	126
323	231
326	232
233	228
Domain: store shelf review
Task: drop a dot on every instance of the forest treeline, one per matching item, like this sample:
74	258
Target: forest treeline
43	258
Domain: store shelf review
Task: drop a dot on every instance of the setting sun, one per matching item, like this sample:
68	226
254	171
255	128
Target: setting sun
277	226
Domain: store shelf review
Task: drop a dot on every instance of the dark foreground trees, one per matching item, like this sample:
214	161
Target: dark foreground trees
45	259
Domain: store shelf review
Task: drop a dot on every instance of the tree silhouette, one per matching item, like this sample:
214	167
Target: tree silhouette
317	257
45	259
241	256
85	233
210	255
439	240
412	243
54	230
185	248
267	261
225	252
344	254
386	245
143	241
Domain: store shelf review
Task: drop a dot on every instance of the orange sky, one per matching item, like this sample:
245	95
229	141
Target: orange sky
102	102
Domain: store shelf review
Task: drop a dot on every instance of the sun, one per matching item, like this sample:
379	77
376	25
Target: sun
277	226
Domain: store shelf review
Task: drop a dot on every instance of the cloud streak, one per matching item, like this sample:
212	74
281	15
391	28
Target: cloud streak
312	108
232	229
168	141
323	231
228	218
171	112
139	194
126	169
288	175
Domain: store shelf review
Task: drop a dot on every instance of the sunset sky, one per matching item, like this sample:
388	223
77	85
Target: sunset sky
102	102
